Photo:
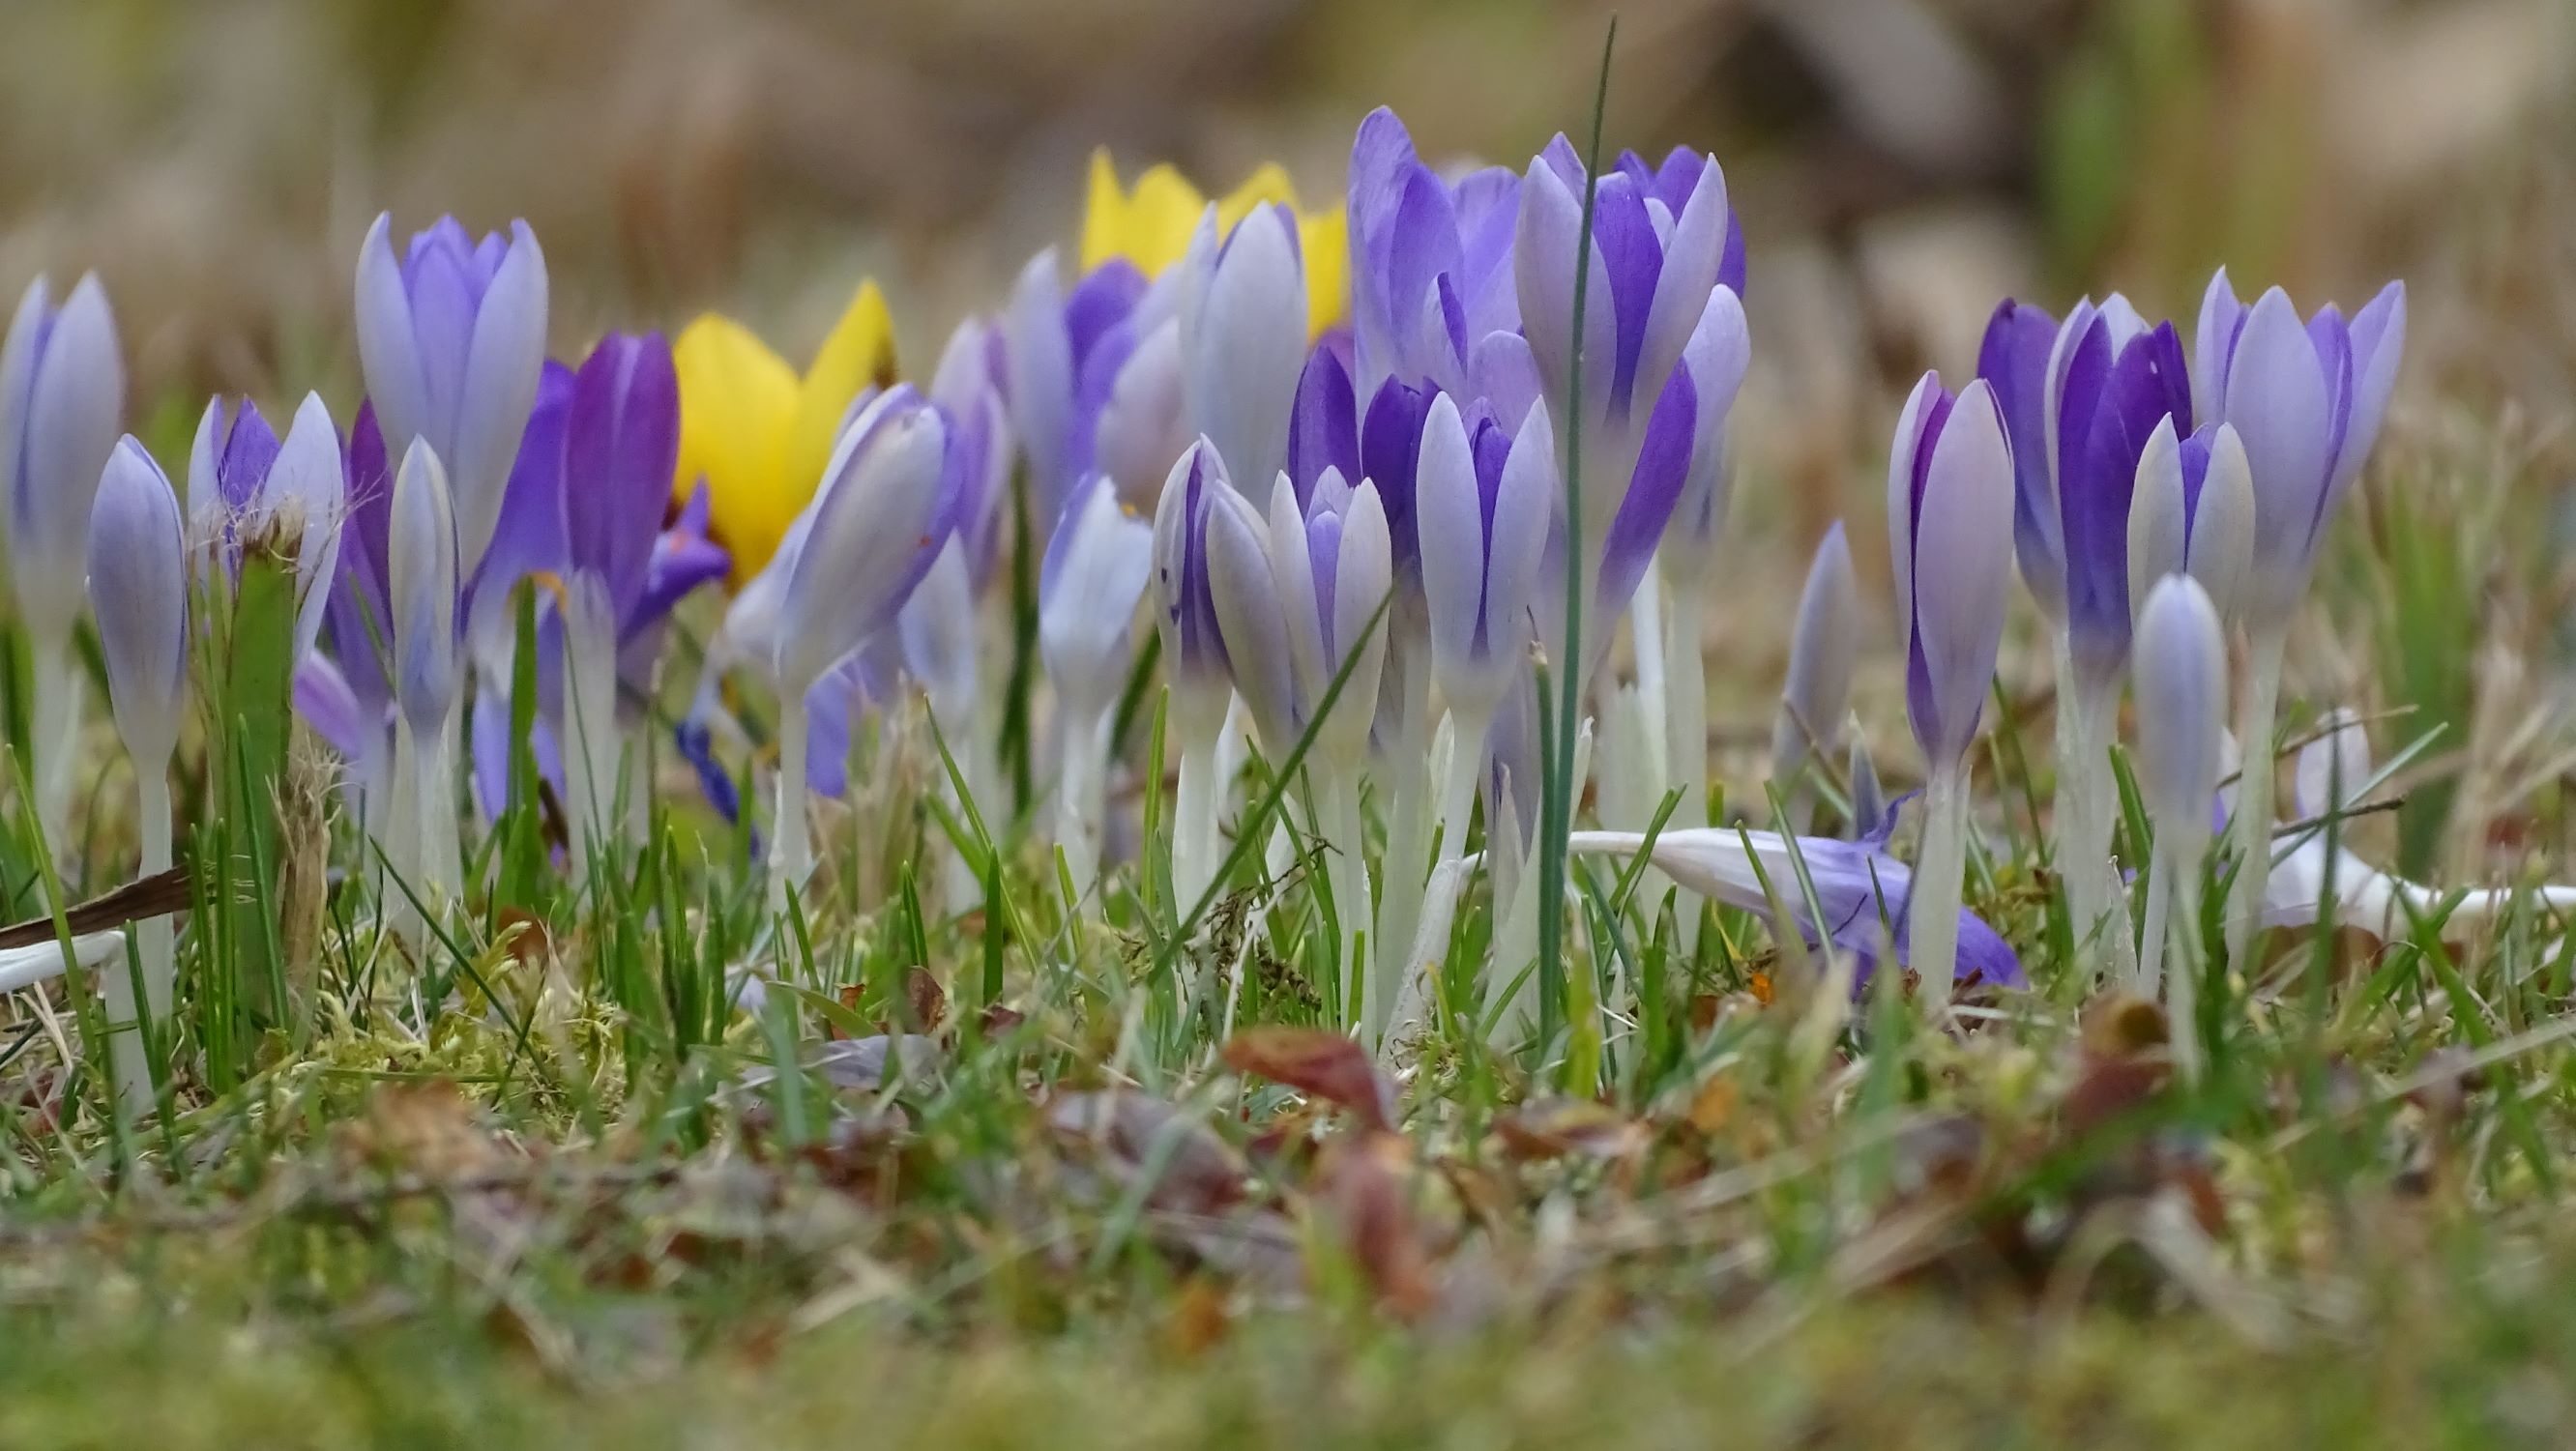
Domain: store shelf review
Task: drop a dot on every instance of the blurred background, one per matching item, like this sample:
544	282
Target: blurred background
1899	166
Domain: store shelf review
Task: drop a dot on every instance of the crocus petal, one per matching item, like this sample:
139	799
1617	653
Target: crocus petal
2333	768
387	351
1245	338
1654	490
1244	595
1453	542
2159	519
501	367
2221	549
2378	343
1096	571
2214	346
2277	400
1692	256
138	590
621	441
68	432
1823	647
305	483
1143	428
1324	428
1039	360
2014	359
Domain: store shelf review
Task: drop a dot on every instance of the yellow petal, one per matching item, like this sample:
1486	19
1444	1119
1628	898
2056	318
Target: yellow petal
859	353
1268	184
1324	245
736	399
1150	225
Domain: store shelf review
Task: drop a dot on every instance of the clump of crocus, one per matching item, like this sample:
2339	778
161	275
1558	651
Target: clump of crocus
138	590
1095	572
2181	669
2306	397
62	393
1822	649
2083	398
1949	522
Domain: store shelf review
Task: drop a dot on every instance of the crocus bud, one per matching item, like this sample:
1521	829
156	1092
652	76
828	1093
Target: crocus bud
421	556
877	525
2181	672
243	483
1335	570
1243	337
2193	514
1484	502
1821	650
452	338
62	390
1218	599
1095	571
936	627
1949	511
2307	399
138	590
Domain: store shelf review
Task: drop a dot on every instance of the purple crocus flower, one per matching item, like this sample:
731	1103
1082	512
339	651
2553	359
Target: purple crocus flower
1432	289
2081	400
452	339
242	481
1862	891
1949	512
2307	399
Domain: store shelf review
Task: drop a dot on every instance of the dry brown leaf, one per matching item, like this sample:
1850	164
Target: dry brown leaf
1326	1065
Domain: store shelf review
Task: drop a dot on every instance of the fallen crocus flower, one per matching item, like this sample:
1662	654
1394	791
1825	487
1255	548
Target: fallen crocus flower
2380	902
1860	896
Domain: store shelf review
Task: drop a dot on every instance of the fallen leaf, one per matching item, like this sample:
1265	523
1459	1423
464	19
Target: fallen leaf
1326	1065
1554	1127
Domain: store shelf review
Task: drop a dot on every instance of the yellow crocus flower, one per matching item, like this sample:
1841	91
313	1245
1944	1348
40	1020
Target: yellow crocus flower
1150	226
759	435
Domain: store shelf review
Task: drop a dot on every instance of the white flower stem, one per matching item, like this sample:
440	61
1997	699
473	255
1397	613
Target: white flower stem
1081	798
442	868
1194	812
153	949
59	690
1337	803
791	845
2252	821
1408	830
1686	738
594	760
2182	970
1468	724
2083	807
1932	914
